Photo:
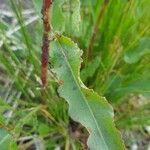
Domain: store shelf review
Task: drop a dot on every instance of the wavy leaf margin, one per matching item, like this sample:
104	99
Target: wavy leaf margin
85	105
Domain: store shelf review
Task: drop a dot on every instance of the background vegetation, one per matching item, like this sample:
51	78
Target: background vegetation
116	65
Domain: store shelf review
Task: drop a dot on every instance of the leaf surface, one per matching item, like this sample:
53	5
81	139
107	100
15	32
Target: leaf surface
66	16
85	106
90	69
6	141
135	54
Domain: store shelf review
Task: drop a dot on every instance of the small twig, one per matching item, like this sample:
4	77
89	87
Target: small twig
95	30
46	42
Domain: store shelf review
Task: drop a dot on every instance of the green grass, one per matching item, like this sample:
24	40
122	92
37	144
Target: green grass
118	69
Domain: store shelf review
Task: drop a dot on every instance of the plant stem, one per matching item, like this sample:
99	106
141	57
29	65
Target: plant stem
95	30
46	23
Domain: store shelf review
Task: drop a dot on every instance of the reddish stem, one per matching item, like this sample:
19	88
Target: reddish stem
46	42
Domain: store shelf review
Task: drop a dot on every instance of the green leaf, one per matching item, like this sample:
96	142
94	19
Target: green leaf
120	86
38	5
90	69
135	54
66	16
3	106
85	106
58	20
43	129
6	141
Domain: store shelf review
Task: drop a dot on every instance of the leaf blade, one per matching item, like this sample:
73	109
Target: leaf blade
85	106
